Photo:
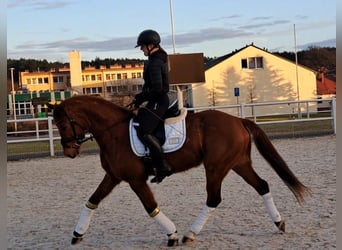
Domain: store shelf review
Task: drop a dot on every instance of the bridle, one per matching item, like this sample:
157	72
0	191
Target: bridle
77	138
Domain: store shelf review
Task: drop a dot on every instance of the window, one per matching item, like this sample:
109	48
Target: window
24	108
136	88
44	80
93	90
259	63
58	79
114	89
122	88
244	63
252	63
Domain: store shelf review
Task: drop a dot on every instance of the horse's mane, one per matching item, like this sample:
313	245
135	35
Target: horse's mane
89	100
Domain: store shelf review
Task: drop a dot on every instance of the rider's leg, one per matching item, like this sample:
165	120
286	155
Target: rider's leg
157	155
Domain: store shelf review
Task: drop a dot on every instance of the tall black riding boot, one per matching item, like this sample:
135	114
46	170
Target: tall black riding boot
157	155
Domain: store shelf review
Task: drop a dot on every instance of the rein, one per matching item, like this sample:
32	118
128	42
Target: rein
81	139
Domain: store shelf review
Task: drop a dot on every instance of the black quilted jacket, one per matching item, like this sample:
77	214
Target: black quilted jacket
155	76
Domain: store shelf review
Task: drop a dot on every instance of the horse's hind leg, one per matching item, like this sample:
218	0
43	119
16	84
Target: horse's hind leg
247	172
104	188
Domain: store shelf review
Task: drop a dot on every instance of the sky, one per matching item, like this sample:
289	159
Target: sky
49	29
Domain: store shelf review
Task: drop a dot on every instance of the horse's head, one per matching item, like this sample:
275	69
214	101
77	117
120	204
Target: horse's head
71	132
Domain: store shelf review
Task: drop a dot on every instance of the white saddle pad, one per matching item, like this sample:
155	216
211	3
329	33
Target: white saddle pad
175	134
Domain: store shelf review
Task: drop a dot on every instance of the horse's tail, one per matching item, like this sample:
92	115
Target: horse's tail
268	151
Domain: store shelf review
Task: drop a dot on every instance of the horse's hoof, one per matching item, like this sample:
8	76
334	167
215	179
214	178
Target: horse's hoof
76	238
172	239
172	243
280	225
188	238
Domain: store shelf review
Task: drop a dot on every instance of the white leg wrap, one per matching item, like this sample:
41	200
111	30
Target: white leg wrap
201	219
84	220
167	225
271	208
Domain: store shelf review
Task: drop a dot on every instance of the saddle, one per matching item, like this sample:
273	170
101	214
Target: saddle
175	132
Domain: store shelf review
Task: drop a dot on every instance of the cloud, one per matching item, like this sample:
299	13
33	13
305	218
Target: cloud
261	18
127	43
225	17
208	34
82	43
323	43
301	17
265	24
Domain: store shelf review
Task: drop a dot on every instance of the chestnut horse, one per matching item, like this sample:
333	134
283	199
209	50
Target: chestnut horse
216	140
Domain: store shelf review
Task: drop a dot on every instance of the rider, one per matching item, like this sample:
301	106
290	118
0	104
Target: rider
154	91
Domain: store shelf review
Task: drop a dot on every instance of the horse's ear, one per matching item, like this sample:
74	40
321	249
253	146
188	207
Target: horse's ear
50	105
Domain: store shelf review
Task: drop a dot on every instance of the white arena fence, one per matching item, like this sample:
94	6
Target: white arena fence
39	137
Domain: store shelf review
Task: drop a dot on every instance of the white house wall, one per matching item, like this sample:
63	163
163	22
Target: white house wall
276	81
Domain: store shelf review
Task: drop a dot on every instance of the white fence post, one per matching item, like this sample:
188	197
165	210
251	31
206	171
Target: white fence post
333	102
242	110
52	149
37	129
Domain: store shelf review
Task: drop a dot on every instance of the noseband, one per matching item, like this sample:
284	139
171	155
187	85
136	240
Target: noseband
78	139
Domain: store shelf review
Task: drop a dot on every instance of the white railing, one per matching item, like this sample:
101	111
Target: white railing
305	111
50	134
301	110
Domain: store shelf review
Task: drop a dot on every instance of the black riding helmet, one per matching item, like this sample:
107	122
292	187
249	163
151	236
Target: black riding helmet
148	37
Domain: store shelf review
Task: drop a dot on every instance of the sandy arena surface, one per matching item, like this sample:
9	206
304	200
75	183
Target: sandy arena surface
45	198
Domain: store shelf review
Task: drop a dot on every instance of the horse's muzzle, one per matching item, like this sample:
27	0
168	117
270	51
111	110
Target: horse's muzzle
72	156
71	152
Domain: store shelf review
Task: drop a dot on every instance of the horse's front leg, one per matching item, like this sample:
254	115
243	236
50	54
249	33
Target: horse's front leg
145	195
105	187
213	200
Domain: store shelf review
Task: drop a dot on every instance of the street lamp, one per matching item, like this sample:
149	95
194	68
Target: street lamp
179	89
13	101
296	59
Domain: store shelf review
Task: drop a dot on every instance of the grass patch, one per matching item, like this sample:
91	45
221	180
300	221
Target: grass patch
24	150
